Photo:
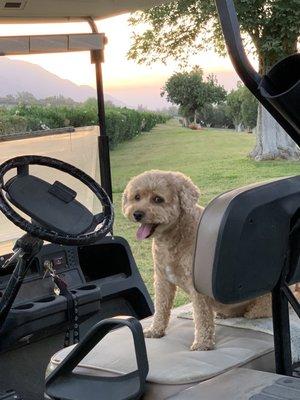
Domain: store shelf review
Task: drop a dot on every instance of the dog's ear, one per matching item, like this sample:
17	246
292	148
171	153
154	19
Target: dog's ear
124	199
188	192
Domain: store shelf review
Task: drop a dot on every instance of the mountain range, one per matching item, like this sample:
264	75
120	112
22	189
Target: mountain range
20	76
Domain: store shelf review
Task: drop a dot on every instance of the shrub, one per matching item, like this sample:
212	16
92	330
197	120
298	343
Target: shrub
121	123
115	123
10	124
124	124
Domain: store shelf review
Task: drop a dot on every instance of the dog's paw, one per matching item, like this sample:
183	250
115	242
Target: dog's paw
153	333
202	346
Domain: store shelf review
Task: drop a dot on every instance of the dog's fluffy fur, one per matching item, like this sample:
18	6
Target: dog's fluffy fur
165	204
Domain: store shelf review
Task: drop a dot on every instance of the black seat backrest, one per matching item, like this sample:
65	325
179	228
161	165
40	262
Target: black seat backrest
244	239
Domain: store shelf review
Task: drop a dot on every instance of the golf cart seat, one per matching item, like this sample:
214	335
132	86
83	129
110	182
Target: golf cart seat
172	366
235	260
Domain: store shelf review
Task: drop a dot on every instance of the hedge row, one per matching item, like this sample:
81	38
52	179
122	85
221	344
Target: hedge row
122	123
10	124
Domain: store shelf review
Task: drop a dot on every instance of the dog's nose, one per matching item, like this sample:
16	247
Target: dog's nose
138	215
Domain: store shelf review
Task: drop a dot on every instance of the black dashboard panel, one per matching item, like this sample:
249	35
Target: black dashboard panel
104	280
38	284
102	277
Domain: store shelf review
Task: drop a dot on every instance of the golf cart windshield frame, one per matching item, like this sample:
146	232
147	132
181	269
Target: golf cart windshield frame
62	43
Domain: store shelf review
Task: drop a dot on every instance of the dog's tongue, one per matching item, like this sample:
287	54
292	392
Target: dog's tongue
143	231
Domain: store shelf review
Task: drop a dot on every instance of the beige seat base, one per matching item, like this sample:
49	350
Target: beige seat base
171	362
156	391
173	367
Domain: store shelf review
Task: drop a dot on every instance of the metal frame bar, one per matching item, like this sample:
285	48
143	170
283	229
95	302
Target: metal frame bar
59	43
282	296
97	57
281	331
236	51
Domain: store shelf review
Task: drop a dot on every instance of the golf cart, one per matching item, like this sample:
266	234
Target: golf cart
78	284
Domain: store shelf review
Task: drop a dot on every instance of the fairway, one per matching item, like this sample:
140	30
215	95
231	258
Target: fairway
216	160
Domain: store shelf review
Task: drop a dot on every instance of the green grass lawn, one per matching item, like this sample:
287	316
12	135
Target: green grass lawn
216	160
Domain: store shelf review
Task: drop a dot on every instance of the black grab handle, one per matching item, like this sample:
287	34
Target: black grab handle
62	383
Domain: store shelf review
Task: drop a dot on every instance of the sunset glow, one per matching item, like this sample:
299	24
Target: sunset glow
124	79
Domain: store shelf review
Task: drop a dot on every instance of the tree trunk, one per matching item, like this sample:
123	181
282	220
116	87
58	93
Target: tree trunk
185	121
272	142
238	126
195	117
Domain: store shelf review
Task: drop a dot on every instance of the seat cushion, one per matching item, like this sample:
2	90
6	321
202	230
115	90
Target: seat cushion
262	325
170	358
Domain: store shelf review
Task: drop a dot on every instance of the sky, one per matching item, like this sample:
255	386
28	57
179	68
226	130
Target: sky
127	81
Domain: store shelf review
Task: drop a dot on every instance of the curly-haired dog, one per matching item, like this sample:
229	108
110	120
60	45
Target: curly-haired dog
165	205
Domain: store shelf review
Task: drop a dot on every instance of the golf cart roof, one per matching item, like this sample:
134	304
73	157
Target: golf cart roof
14	11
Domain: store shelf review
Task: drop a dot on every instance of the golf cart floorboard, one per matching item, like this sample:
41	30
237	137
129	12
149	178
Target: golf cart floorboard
243	384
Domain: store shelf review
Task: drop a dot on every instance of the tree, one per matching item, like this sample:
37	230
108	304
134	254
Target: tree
191	92
215	115
234	107
59	100
183	27
242	108
249	109
172	111
26	98
9	100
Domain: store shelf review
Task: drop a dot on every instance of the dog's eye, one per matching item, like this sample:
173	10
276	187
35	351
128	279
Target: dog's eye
137	197
158	200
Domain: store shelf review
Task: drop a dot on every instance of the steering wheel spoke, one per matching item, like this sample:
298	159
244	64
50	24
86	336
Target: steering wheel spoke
23	170
99	218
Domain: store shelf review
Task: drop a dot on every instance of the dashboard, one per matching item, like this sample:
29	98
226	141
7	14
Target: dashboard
103	278
38	283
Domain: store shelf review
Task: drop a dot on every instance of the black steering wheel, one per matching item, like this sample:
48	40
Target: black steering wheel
55	213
